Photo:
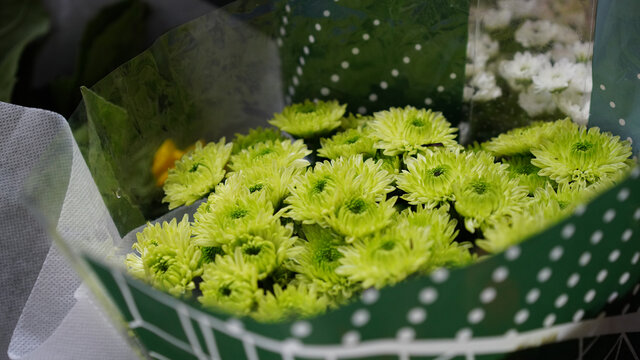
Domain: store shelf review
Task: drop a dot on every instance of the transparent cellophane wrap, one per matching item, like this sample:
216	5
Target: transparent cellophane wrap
573	286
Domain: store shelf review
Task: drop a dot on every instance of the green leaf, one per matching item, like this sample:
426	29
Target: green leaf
115	35
21	22
196	82
104	164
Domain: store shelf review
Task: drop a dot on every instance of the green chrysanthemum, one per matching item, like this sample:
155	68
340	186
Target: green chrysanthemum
167	258
540	212
209	253
318	193
392	164
486	195
309	119
260	253
280	154
520	141
230	284
507	232
521	168
582	156
353	121
384	258
295	301
409	131
348	143
272	180
255	136
359	215
196	174
318	260
441	230
429	178
568	196
230	214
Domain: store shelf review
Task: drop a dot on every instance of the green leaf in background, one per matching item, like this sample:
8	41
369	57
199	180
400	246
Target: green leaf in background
21	22
115	35
104	164
198	81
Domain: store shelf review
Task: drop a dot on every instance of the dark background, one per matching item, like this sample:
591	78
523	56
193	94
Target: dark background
54	66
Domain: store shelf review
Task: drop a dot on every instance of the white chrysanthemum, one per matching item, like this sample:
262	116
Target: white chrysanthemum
519	71
574	104
519	8
480	49
483	88
536	103
494	19
475	66
560	51
536	33
554	78
482	45
565	34
582	80
582	51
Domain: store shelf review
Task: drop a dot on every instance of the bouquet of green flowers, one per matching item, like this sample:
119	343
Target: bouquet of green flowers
281	238
364	224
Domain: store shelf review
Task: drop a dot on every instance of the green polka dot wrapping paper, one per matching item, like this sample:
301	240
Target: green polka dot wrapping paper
569	292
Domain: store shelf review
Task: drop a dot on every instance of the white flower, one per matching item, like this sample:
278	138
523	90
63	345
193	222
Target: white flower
474	68
554	78
479	50
494	19
574	104
483	88
560	51
565	34
483	46
520	71
581	82
536	33
467	93
582	51
519	8
536	103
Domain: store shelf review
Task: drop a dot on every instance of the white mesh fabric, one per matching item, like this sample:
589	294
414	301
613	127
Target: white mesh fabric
53	324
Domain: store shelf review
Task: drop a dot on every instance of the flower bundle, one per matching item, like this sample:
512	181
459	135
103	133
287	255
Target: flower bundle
530	59
391	195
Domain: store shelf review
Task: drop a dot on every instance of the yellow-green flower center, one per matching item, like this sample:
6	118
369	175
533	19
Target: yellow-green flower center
194	168
582	146
388	245
225	291
327	254
437	171
417	122
306	108
479	187
209	253
356	206
252	250
352	140
239	213
319	186
256	187
264	152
